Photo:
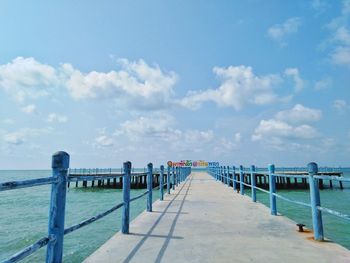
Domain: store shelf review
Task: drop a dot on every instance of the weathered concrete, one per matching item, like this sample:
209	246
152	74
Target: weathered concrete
205	221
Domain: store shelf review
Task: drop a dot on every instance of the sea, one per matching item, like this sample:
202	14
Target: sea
24	215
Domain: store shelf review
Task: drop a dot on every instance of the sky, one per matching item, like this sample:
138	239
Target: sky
239	82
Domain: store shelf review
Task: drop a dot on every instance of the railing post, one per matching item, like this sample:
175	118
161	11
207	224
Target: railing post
253	182
272	188
315	202
149	186
168	180
161	183
60	165
126	198
241	179
173	178
234	178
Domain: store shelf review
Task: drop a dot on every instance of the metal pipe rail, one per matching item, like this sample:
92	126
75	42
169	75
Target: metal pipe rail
59	180
223	174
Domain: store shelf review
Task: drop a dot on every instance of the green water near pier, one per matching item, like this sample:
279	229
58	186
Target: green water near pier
24	215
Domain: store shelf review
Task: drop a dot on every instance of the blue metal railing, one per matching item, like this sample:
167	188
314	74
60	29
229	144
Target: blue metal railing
310	173
61	176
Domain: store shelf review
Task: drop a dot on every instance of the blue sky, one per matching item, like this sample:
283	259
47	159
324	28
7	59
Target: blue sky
240	82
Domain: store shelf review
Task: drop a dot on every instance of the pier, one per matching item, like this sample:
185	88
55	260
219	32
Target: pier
113	178
205	221
199	217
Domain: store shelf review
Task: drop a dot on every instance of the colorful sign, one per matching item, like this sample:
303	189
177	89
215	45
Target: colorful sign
190	163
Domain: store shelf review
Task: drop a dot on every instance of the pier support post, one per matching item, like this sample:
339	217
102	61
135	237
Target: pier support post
253	182
272	188
60	165
315	202
149	186
241	179
161	183
168	181
126	198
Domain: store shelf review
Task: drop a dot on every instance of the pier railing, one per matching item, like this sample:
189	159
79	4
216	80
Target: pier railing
59	180
238	178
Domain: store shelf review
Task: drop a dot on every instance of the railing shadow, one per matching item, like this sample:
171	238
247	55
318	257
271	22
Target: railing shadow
171	231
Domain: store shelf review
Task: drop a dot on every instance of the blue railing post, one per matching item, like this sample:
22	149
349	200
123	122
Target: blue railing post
315	202
221	175
149	186
272	188
60	165
228	176
126	198
161	183
173	177
253	182
168	180
241	180
177	176
234	178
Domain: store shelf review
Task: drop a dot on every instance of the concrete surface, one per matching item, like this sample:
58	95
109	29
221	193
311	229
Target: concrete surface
205	221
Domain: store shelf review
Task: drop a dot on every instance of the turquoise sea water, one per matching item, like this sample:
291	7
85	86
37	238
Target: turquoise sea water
24	215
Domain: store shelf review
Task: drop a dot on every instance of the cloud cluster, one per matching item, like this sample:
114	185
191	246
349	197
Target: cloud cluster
340	105
25	78
136	84
55	117
288	127
339	27
20	136
279	32
240	87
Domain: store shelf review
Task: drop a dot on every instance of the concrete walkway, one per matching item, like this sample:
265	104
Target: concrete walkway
205	221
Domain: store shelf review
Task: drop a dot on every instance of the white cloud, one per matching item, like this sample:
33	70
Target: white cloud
54	117
238	137
157	126
278	129
340	37
13	138
341	55
160	130
288	129
104	141
239	87
19	137
323	84
137	83
299	114
29	109
294	73
340	105
279	32
25	78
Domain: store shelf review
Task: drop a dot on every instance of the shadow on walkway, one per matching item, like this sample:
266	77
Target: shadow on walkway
172	228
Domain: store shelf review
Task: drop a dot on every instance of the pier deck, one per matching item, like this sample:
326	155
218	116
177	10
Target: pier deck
205	221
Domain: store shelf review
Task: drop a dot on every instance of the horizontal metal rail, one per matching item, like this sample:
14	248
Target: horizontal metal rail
27	183
139	196
333	212
92	219
30	249
291	201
